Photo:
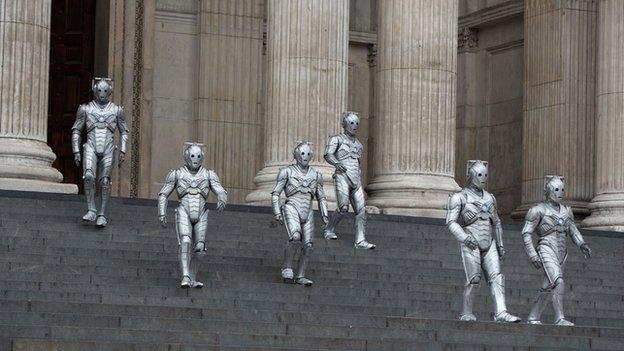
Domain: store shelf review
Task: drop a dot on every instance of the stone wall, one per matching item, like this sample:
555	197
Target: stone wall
489	100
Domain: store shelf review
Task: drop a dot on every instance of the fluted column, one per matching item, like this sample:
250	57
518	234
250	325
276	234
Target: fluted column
307	43
25	158
607	207
559	100
414	136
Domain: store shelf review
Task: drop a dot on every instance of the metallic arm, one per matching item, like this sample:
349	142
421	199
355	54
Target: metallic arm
533	218
164	193
573	231
282	177
452	215
123	130
320	197
330	151
498	227
81	118
215	186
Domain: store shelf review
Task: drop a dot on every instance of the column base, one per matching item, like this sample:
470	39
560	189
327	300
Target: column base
26	165
607	213
420	195
580	209
265	182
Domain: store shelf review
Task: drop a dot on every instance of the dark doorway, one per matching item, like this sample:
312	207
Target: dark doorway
71	70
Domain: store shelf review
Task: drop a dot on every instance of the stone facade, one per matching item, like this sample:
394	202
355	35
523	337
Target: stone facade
531	86
25	158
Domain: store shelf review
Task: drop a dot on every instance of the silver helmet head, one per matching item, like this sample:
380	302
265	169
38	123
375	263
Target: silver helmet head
193	156
102	89
554	188
303	153
477	173
350	122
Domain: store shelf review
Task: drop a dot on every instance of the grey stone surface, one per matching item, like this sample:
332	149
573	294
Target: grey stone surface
66	286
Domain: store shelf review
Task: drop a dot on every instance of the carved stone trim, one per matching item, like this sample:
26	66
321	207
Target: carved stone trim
467	39
372	55
494	14
137	80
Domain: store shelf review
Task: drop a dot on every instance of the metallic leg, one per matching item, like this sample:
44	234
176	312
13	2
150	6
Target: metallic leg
105	164
185	232
185	261
289	254
557	301
472	267
468	301
306	251
496	280
105	194
341	186
543	297
359	206
89	171
199	234
293	228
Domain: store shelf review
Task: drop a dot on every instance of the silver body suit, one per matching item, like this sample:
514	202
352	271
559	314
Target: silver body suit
101	118
344	151
301	184
193	185
552	222
471	216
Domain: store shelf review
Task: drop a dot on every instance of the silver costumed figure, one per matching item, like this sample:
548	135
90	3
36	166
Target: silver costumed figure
193	184
552	221
301	184
101	118
471	215
344	152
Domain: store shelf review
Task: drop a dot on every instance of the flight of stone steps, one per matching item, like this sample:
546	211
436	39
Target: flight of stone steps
65	285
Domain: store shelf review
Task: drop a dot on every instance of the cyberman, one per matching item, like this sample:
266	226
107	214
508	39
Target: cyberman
344	151
193	184
471	214
301	183
101	118
551	221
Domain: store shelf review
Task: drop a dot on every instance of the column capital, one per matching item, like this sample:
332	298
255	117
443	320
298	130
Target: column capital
467	39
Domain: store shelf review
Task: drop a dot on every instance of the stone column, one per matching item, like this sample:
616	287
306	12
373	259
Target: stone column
607	207
559	100
307	42
25	158
414	134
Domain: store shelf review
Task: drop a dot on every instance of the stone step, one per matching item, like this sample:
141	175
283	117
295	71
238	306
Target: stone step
106	275
64	345
431	331
448	308
67	285
24	251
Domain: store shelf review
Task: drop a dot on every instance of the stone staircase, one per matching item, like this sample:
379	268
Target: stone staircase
65	285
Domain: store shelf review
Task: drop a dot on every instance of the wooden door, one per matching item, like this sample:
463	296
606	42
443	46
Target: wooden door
71	70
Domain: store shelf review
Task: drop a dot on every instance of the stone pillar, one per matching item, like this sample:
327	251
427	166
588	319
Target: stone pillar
229	121
25	158
414	134
559	100
607	207
307	42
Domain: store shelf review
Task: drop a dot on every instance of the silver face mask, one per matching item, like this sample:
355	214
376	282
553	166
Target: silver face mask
477	173
554	188
303	153
350	122
102	90
193	156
